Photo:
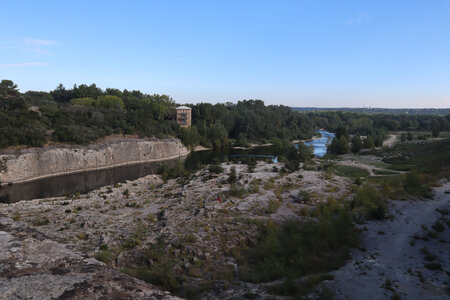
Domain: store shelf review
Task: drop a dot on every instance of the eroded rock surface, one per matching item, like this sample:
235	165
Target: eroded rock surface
35	267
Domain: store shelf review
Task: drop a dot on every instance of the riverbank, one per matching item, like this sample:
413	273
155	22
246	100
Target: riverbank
38	163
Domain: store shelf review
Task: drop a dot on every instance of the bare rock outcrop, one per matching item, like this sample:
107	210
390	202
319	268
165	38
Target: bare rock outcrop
37	163
35	267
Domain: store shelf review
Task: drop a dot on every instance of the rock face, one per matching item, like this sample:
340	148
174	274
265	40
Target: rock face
34	267
49	161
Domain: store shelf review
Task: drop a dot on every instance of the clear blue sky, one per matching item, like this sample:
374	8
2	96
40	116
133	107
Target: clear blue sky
297	53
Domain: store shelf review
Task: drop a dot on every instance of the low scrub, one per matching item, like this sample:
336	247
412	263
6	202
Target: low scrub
299	248
237	190
173	172
371	202
417	185
351	172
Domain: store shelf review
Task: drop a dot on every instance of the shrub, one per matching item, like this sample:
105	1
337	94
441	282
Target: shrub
106	255
433	266
372	201
415	184
215	168
173	172
237	190
438	226
232	176
299	248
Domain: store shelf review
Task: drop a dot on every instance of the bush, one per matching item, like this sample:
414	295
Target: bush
237	190
215	168
371	201
173	172
106	256
416	185
232	176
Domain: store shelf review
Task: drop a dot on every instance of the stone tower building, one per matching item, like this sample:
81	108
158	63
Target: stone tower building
184	116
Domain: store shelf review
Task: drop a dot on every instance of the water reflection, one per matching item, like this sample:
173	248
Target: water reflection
79	182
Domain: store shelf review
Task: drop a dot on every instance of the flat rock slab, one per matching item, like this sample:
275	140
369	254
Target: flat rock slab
34	267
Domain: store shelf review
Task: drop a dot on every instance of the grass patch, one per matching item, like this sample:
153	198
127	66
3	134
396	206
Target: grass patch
350	171
273	206
106	255
383	172
430	158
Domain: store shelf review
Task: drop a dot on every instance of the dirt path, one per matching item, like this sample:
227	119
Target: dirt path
393	261
392	139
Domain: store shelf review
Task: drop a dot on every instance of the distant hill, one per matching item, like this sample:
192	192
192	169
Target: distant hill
411	111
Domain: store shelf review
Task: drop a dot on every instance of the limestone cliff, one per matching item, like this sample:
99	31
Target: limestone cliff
37	163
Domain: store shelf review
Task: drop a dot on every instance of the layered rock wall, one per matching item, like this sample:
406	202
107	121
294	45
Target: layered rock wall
51	161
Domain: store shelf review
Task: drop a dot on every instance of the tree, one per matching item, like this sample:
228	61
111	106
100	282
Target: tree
357	144
218	135
10	97
241	140
339	146
343	145
342	131
409	136
60	94
109	101
190	136
435	128
368	143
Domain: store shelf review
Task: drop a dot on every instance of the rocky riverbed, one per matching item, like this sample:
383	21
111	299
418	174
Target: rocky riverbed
183	234
196	221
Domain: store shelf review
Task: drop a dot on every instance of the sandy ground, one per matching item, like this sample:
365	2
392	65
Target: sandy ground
391	140
393	254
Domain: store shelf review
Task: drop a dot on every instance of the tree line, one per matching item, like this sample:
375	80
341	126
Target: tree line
85	113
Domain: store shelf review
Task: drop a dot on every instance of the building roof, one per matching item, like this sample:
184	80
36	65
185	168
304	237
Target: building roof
183	107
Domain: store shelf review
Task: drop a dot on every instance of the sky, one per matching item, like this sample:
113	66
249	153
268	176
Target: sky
393	54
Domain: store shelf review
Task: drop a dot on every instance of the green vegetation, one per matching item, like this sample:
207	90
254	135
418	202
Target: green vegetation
106	255
371	202
431	158
86	113
350	171
172	172
300	248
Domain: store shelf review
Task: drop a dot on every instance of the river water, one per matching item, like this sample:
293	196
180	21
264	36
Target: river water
320	145
87	181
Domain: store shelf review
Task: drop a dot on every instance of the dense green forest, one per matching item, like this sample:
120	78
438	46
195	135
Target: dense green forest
86	113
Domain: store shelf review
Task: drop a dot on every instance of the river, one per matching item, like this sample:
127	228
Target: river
320	144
